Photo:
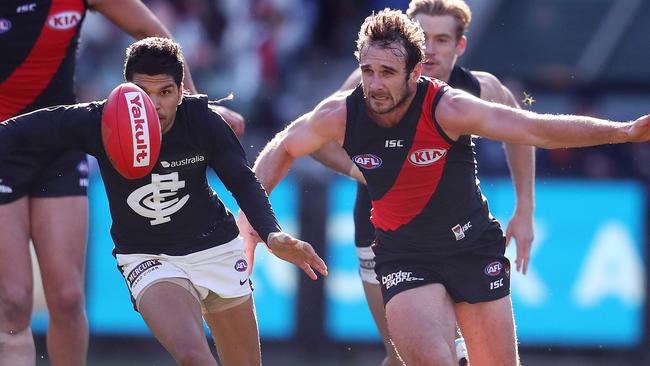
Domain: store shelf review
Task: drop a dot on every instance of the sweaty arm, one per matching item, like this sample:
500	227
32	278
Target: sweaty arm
62	127
302	137
521	162
460	113
332	154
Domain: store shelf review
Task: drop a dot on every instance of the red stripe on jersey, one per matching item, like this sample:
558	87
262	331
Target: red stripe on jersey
29	80
419	175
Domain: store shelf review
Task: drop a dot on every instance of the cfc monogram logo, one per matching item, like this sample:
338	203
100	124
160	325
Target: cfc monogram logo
158	200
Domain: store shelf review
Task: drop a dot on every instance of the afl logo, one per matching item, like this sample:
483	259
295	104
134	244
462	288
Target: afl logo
5	25
241	265
493	269
64	20
424	157
367	161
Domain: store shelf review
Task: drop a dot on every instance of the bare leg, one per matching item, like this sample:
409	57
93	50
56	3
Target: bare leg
422	325
59	228
235	334
16	285
376	304
486	346
174	316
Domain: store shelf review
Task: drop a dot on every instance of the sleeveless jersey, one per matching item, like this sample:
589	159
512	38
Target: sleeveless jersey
423	186
38	43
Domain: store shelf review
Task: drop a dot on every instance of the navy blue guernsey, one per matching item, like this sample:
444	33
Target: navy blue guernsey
38	43
172	210
423	186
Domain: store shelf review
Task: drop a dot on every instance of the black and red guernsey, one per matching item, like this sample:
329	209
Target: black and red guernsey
423	185
38	43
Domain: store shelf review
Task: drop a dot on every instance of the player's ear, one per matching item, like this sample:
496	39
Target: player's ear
417	72
461	45
180	94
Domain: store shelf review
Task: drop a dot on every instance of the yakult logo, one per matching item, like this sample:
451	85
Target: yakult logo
139	130
395	278
426	157
64	20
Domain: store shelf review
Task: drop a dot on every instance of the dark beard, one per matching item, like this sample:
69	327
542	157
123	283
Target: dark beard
400	102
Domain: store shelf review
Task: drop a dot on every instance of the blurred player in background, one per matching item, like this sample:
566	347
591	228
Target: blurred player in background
42	195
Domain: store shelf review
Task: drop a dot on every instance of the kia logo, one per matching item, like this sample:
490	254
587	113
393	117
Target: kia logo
367	161
64	20
424	157
493	269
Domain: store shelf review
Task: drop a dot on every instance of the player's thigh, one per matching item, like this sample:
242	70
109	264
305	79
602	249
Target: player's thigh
422	325
173	313
489	332
15	264
234	329
59	233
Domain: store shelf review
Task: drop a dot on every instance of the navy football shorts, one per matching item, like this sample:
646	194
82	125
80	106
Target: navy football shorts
480	274
43	174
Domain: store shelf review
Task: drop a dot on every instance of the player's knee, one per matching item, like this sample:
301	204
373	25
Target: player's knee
192	356
431	353
67	303
16	306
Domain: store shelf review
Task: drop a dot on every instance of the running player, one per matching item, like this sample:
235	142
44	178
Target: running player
439	253
181	257
444	23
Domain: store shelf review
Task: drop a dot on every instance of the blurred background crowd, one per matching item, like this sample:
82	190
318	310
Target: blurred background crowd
280	57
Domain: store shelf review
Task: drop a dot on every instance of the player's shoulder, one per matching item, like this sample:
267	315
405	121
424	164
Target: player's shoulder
492	89
334	107
486	79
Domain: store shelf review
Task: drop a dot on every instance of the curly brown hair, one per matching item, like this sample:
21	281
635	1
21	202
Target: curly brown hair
392	29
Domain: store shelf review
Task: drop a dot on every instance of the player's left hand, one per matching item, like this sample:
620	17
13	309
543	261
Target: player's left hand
520	228
298	252
234	119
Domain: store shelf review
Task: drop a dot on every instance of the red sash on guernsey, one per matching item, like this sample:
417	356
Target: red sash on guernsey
29	80
420	172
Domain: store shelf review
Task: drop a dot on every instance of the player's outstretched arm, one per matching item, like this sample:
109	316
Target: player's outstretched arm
462	114
302	137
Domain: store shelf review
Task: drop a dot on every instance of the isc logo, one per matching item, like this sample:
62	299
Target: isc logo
426	157
394	143
64	20
367	161
140	134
